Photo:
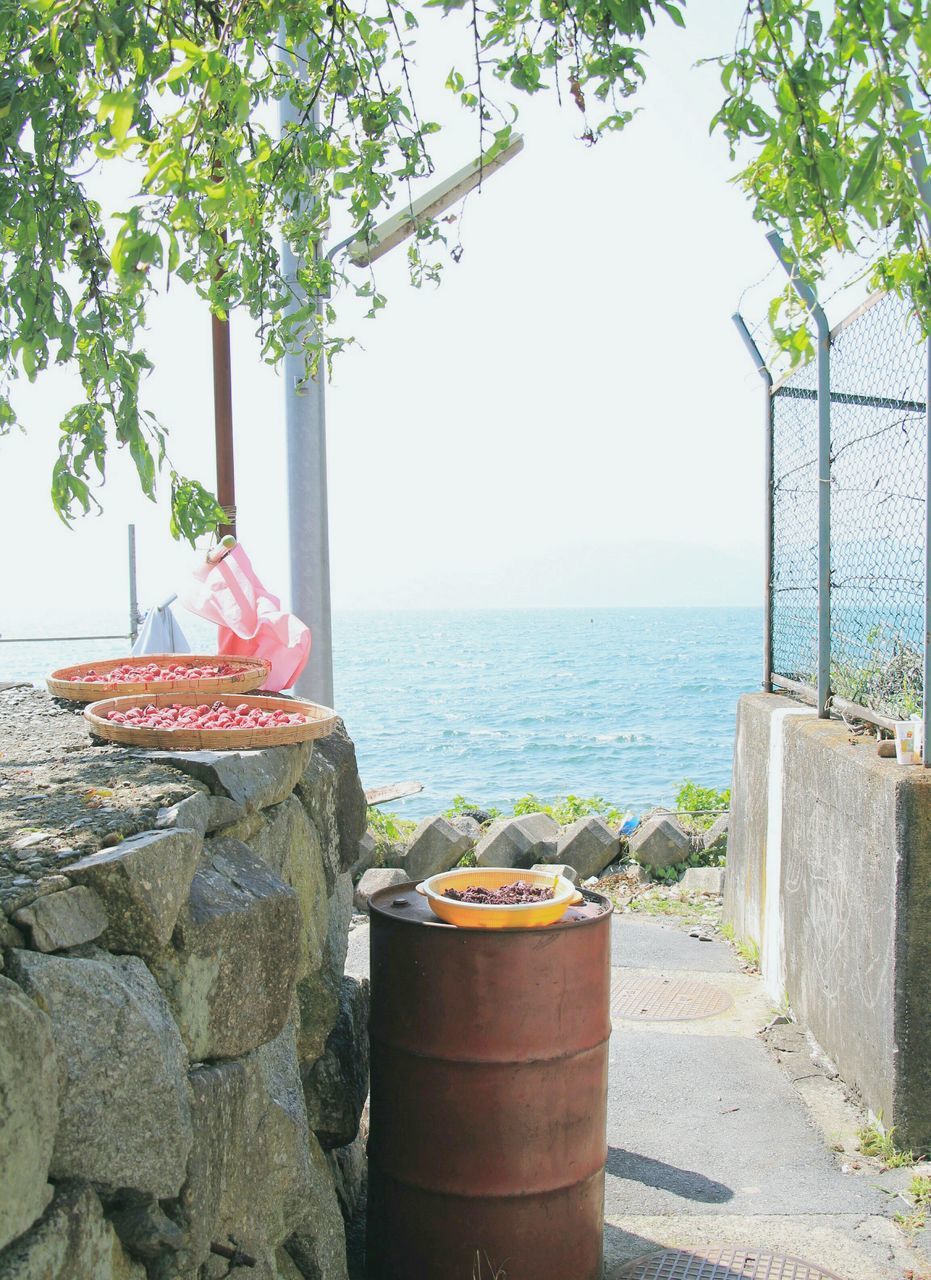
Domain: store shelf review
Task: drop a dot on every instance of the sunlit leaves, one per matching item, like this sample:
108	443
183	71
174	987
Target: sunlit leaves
826	110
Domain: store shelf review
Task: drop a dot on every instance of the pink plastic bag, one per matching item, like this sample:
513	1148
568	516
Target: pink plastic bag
250	620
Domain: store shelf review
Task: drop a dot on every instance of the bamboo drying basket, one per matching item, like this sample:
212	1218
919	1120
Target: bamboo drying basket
251	674
320	722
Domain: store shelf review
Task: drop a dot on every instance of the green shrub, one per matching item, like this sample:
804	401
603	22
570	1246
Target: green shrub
566	809
704	803
389	828
461	804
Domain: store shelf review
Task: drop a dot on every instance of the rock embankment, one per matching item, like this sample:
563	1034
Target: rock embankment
183	1063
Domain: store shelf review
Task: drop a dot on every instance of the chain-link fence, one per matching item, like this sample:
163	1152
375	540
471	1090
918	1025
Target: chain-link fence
878	468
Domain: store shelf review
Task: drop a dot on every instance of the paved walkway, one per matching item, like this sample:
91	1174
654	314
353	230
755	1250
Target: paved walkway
710	1142
717	1137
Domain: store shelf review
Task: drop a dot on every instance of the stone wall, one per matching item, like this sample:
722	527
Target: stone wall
182	1061
829	873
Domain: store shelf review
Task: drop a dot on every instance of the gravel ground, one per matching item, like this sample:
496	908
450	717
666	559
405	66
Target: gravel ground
62	795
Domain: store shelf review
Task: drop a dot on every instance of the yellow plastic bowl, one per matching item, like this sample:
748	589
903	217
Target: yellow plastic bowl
476	915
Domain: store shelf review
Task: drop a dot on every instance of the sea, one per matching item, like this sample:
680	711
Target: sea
625	704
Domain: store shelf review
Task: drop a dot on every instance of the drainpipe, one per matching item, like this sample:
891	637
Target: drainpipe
767	377
807	294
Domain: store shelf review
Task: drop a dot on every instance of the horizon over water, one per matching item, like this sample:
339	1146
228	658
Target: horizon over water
491	704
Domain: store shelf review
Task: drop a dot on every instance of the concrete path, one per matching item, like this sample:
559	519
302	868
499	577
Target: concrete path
709	1140
718	1137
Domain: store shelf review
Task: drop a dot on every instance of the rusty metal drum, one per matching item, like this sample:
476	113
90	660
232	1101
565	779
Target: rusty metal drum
489	1083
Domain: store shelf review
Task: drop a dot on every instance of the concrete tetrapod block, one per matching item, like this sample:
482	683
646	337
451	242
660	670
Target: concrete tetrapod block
467	825
73	1241
143	883
435	846
715	838
229	974
703	880
124	1116
660	842
68	918
588	844
28	1110
365	856
557	869
374	879
519	842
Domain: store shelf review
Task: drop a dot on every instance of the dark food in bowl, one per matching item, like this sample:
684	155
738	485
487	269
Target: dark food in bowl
509	895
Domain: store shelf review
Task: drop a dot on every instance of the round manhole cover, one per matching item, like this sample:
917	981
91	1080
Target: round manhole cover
721	1264
665	999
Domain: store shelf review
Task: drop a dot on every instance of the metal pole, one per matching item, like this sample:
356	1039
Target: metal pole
807	294
223	422
926	667
919	165
767	377
133	596
308	522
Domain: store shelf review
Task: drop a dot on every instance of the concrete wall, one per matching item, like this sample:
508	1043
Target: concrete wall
850	906
182	1060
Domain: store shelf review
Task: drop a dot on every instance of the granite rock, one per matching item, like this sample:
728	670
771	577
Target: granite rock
250	1174
229	974
124	1115
336	1085
318	990
143	883
73	1241
28	1110
68	918
254	779
200	812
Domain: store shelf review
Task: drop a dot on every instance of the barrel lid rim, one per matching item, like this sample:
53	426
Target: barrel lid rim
382	899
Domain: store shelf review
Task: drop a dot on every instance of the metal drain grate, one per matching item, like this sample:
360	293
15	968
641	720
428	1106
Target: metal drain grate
721	1264
665	999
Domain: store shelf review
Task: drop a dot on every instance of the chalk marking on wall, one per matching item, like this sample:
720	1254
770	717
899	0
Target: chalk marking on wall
773	950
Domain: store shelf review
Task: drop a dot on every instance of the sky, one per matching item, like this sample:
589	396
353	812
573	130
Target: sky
569	419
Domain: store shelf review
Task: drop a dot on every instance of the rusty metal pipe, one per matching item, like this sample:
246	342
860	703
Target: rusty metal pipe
489	1094
223	423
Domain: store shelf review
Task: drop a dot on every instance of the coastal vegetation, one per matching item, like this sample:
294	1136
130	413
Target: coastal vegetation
696	808
824	109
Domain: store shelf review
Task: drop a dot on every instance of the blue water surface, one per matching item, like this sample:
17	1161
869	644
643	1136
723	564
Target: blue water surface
622	703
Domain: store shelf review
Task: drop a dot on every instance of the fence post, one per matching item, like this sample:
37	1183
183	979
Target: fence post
133	597
926	660
767	378
807	294
919	165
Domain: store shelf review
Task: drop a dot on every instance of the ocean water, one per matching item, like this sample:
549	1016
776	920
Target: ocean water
622	703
